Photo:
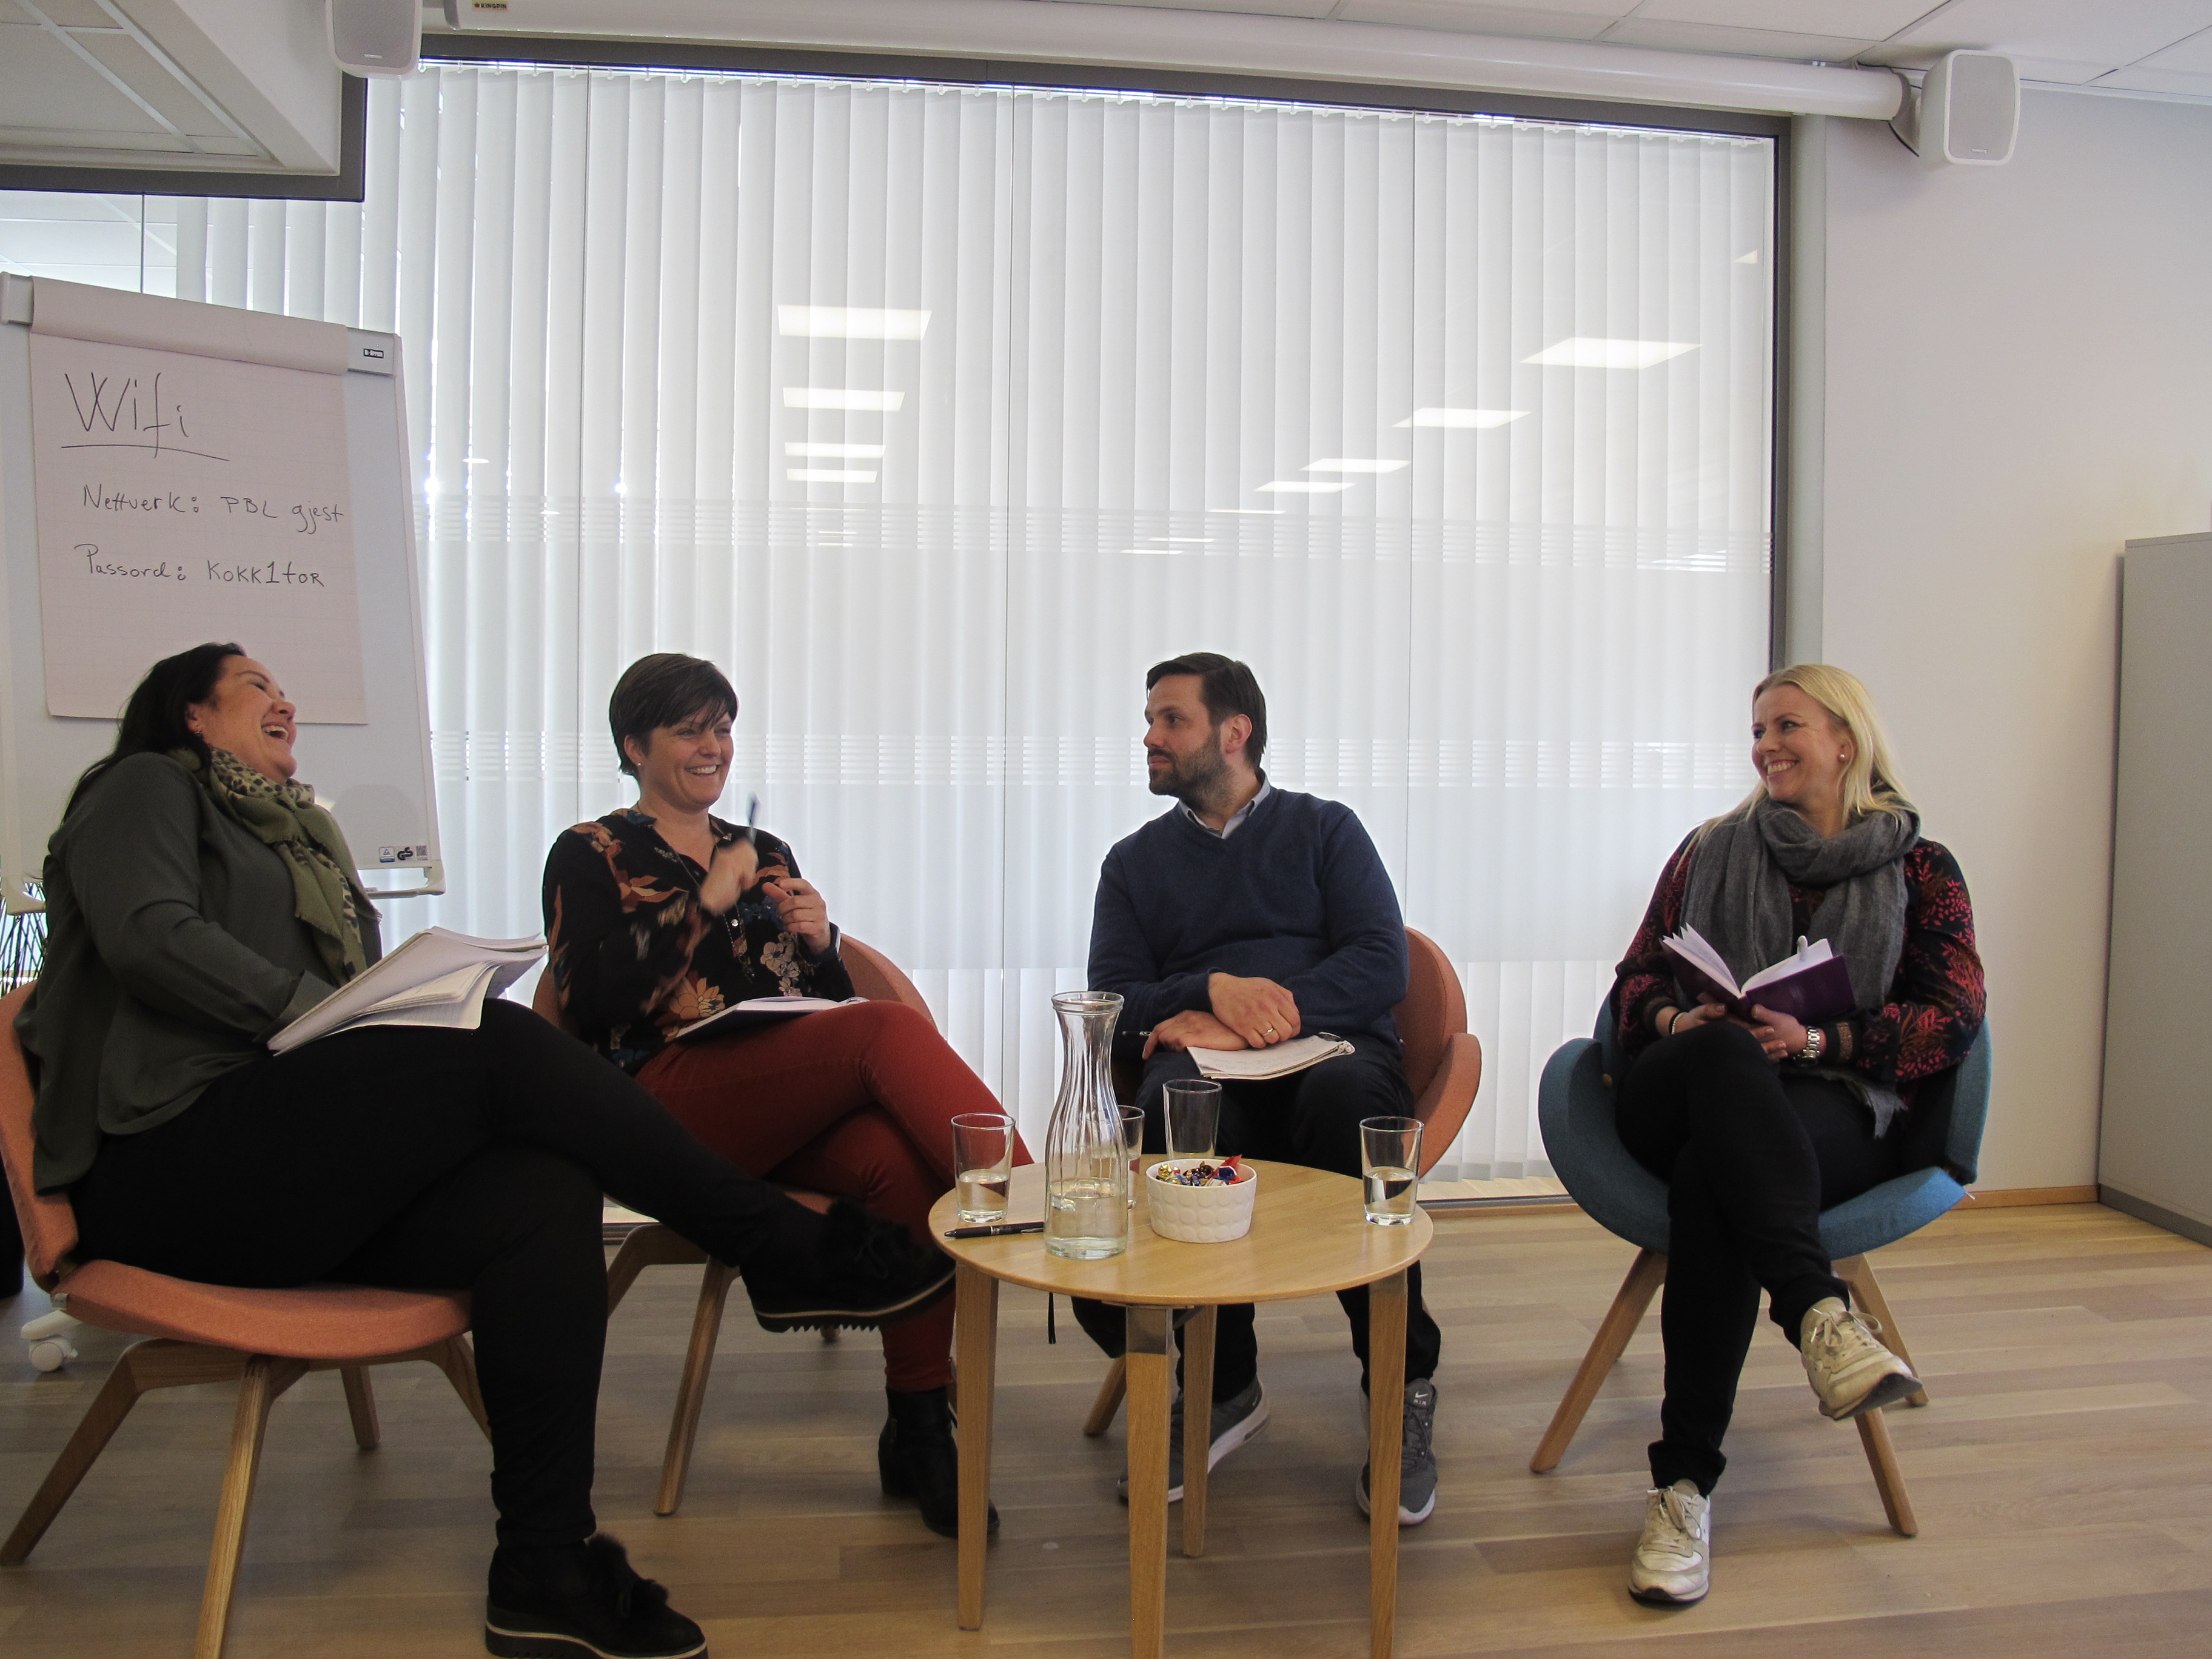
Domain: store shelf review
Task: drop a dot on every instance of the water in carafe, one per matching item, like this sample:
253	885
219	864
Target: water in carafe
1086	1163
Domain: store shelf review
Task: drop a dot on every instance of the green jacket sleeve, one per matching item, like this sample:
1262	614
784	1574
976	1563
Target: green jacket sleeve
132	855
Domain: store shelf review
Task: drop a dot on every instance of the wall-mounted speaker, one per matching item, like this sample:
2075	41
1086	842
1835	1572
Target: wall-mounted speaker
375	37
1967	112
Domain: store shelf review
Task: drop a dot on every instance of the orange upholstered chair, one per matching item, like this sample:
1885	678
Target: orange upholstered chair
1444	1068
264	1341
876	977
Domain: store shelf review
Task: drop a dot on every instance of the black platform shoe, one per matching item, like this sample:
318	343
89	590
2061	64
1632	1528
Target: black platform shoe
583	1603
917	1458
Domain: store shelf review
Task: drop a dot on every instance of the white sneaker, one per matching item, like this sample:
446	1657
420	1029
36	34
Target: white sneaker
1848	1370
1672	1564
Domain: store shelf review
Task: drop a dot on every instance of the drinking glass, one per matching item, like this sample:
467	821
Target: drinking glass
983	1156
1193	1110
1132	1137
1390	1163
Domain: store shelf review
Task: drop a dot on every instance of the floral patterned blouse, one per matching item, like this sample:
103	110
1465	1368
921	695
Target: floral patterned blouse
1935	1002
634	954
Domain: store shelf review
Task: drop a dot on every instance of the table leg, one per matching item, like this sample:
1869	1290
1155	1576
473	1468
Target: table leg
1386	1421
975	1347
1197	1339
1151	1379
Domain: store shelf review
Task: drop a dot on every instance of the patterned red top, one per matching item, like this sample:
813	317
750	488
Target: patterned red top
633	952
1935	1002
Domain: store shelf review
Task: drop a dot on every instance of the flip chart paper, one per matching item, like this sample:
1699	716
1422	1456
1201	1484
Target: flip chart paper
183	499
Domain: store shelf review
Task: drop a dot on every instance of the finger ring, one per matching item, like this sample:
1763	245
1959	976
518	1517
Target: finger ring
1271	1030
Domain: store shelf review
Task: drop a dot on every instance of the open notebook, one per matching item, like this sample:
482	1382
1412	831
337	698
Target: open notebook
756	1012
1812	984
436	978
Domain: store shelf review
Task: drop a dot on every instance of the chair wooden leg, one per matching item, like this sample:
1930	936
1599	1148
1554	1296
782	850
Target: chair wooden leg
650	1246
101	1420
360	1406
265	1379
1857	1272
692	1392
458	1360
1645	1275
1888	1478
1108	1401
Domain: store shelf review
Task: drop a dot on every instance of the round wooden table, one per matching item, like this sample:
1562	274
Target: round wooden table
1309	1237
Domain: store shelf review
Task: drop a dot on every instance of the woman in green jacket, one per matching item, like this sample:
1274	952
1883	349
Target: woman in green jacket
199	900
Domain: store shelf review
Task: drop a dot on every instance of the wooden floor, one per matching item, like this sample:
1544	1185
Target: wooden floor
2063	1474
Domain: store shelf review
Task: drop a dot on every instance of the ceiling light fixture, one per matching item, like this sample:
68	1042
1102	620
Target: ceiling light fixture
1478	420
842	397
1583	351
850	323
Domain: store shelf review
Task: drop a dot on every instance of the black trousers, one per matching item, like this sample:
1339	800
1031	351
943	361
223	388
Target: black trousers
1751	1156
422	1159
1311	1117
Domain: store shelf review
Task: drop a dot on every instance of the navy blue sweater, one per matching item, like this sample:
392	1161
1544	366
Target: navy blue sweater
1296	895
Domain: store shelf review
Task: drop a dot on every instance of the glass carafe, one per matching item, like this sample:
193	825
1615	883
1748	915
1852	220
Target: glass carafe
1086	1165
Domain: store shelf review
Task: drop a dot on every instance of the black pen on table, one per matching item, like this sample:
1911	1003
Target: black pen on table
996	1230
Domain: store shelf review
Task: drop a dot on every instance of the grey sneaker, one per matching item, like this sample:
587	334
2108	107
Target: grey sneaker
1236	1420
1673	1565
1847	1366
1417	1459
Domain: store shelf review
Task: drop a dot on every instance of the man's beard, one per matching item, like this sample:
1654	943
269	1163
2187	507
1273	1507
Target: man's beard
1197	780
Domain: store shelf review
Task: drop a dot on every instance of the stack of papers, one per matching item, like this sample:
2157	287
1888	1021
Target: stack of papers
1260	1064
436	978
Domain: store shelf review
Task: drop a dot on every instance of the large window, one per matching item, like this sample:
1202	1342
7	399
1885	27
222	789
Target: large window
935	415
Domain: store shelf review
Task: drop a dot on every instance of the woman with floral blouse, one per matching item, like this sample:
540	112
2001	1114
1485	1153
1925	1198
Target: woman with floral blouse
1757	1125
662	914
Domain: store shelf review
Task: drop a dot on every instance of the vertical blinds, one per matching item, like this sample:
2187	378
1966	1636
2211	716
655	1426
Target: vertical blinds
935	415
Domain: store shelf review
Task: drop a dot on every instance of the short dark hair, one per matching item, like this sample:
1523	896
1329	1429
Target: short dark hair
1226	687
663	689
156	719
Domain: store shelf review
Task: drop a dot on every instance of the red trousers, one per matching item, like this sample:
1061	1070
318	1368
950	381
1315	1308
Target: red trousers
856	1102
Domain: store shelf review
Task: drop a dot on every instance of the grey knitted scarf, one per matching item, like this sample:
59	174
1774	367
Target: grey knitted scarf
1739	900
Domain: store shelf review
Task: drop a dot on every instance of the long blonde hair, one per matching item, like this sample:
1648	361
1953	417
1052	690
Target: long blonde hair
1869	782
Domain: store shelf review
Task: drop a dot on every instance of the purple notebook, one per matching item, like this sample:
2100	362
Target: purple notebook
1812	985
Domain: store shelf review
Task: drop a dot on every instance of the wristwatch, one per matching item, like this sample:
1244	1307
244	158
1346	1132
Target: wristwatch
1816	1043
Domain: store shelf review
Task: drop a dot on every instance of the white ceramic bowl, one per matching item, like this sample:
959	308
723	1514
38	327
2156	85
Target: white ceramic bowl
1211	1214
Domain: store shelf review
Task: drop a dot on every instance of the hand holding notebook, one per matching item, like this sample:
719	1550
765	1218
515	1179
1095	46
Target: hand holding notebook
1812	985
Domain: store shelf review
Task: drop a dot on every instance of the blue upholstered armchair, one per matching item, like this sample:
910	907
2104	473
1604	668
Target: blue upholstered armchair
1942	1147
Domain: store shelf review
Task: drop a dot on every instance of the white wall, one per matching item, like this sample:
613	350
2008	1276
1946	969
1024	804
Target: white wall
2018	379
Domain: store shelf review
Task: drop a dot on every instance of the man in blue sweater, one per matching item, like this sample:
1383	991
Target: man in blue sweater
1242	917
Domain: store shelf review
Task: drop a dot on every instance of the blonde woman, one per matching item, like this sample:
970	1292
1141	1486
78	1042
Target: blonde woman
1757	1125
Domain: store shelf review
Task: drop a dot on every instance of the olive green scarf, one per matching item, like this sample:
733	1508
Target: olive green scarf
326	895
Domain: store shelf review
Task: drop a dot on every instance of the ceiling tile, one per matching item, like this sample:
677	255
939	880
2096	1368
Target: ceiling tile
2077	31
2194	54
2060	72
44	85
1264	8
1741	43
77	15
128	62
1587	18
1850	20
2159	80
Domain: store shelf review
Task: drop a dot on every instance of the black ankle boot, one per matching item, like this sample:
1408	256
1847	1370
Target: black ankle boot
917	1458
582	1602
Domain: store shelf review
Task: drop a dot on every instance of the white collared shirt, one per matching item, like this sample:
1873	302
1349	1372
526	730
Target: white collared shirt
1236	818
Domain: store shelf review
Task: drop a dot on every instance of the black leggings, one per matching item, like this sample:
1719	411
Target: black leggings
423	1159
1312	1118
1751	1156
